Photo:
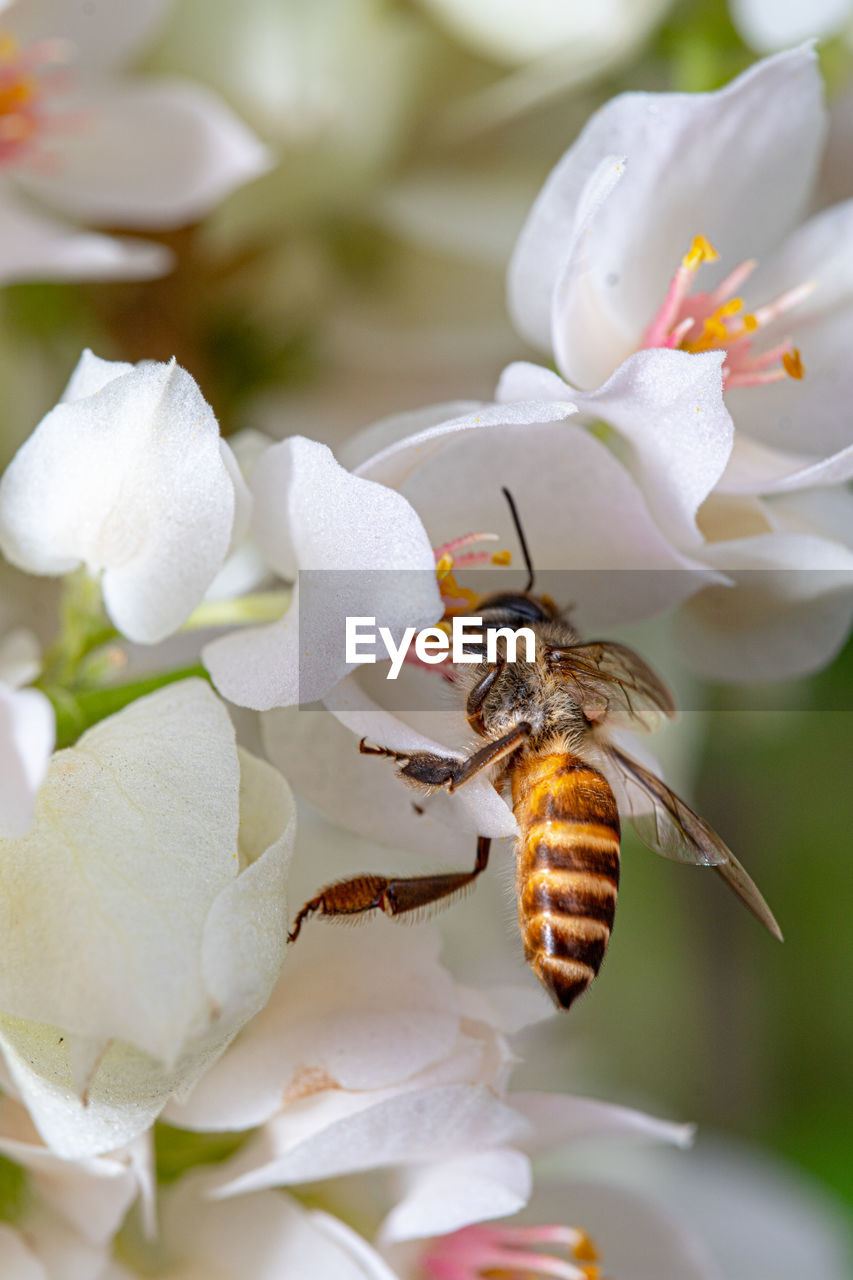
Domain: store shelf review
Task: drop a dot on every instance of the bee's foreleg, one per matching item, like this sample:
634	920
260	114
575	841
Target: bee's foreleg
427	769
393	896
478	695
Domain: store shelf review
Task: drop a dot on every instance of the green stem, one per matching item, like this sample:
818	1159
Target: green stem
76	712
264	606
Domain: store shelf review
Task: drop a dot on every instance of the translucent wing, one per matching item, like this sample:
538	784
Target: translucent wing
614	684
672	828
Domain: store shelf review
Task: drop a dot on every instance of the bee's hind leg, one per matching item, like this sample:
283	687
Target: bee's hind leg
394	896
388	894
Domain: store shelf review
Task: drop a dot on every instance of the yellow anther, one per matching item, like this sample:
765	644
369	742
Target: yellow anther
585	1250
730	308
793	365
750	322
701	250
442	569
450	587
502	557
592	1272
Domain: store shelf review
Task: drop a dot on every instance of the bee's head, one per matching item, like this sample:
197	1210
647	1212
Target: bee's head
515	608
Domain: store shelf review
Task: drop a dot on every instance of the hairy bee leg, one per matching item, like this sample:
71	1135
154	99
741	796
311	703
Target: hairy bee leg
478	695
490	754
431	770
392	896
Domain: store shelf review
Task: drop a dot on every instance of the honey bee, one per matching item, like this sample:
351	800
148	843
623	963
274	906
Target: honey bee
548	727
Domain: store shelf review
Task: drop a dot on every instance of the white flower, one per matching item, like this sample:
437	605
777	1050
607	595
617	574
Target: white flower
598	271
245	568
748	1212
27	732
767	25
143	917
127	475
265	1234
595	278
91	1195
312	515
513	35
549	47
369	1056
44	1247
101	147
332	88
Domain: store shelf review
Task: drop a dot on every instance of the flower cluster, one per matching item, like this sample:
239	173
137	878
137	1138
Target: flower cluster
181	1092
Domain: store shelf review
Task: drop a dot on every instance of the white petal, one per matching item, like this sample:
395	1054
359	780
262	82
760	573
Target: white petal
774	24
27	736
400	457
502	30
670	192
359	448
91	374
157	153
669	407
20	658
354	1011
375	1267
242	946
476	806
16	1258
245	569
826	512
102	32
637	1236
176	745
469	1188
266	1236
558	1118
788	613
756	468
178	923
92	1195
130	481
348	1133
779	1223
312	515
557	473
36	247
356	791
555	238
807	416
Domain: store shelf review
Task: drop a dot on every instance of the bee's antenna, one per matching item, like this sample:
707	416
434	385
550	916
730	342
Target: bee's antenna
525	550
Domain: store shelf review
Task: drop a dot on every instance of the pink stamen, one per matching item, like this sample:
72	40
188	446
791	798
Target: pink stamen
785	302
733	281
32	78
492	1251
750	378
659	330
467	539
716	321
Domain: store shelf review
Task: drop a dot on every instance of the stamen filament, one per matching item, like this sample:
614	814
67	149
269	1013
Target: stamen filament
733	281
709	327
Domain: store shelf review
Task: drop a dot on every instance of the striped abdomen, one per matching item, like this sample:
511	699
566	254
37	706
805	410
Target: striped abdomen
567	869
